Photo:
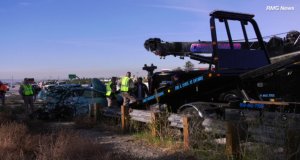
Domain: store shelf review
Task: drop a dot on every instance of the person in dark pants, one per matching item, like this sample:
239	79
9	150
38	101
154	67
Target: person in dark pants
141	90
126	88
27	93
3	90
111	89
36	90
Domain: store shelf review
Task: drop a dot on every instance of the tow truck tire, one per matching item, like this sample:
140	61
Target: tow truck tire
230	96
196	129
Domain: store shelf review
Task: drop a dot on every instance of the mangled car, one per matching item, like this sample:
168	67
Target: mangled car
62	102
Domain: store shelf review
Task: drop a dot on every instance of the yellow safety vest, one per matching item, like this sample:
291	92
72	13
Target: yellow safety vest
108	89
125	84
27	90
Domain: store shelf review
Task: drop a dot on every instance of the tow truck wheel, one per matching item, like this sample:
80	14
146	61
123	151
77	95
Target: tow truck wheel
195	124
233	95
194	117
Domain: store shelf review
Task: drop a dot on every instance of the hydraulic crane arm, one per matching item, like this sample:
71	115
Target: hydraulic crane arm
194	50
200	51
161	48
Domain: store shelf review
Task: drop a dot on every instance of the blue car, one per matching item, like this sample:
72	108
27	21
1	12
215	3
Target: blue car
70	100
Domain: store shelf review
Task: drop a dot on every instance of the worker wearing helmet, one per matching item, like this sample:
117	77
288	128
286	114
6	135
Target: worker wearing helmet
126	88
27	93
3	90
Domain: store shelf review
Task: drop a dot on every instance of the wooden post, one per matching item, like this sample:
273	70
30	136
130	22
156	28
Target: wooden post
154	121
96	111
232	140
293	144
186	141
91	110
124	118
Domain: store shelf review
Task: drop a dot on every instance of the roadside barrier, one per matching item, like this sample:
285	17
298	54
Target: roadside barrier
268	129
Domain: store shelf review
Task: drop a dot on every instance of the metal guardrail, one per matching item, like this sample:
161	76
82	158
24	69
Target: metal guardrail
274	128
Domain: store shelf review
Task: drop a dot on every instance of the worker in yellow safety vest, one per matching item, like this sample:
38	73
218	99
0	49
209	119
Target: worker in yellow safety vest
27	92
111	89
126	88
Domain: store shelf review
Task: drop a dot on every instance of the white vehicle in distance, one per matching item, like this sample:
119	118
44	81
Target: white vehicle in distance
48	84
61	82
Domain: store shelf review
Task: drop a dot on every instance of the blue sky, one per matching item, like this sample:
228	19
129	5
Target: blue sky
102	38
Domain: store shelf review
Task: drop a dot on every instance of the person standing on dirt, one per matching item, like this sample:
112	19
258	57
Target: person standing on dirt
111	89
141	90
3	90
126	88
36	90
27	93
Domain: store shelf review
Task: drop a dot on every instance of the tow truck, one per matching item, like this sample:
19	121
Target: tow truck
241	73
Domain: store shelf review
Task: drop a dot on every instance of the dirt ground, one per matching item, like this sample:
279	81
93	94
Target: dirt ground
128	144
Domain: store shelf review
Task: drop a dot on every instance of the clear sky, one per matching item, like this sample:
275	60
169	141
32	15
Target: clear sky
102	38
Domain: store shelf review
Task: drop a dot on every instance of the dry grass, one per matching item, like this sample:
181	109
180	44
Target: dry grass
70	145
159	133
14	141
85	122
17	143
6	115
